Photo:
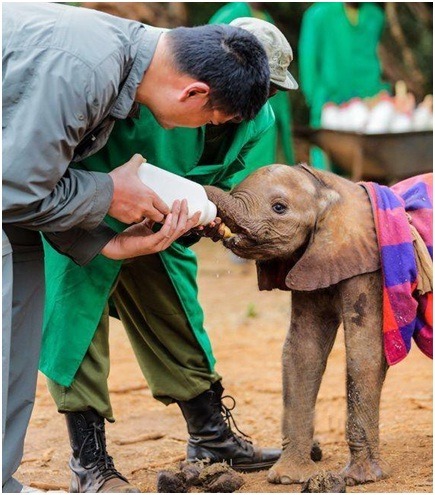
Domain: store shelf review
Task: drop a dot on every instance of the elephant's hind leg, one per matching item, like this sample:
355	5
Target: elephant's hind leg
366	369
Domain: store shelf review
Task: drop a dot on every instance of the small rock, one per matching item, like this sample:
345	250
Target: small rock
192	471
324	482
171	481
220	478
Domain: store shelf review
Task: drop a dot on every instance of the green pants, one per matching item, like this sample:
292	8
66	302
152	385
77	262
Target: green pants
171	360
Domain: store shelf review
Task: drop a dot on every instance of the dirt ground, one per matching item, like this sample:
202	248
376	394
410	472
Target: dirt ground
247	328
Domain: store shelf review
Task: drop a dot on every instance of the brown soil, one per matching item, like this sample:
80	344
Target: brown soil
247	328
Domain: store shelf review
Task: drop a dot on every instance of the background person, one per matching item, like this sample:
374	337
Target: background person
52	116
338	57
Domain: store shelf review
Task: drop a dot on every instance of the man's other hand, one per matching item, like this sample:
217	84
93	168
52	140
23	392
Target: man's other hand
132	200
139	239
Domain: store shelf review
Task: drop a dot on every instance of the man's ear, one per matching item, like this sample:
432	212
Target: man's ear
196	89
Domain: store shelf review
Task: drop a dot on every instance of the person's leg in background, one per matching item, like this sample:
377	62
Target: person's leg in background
21	345
86	405
318	159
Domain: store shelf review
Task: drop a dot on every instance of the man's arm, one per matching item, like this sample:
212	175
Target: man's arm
81	245
44	118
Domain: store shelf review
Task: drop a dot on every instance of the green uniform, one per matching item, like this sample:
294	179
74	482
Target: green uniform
265	152
77	297
338	57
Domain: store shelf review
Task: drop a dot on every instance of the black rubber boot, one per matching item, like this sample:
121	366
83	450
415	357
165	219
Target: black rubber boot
93	470
211	437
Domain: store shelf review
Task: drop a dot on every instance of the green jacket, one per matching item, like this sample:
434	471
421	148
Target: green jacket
265	152
338	60
76	296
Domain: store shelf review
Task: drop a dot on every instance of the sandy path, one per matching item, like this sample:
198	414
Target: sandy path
247	329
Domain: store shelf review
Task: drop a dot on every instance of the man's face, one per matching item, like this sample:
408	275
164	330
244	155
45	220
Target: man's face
177	116
183	102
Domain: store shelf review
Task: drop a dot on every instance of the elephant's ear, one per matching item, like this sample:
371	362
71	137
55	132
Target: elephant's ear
343	243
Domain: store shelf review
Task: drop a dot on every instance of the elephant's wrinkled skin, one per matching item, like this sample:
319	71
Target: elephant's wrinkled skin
313	233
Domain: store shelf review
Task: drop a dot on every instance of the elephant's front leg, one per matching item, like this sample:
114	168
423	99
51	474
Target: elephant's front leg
314	322
366	369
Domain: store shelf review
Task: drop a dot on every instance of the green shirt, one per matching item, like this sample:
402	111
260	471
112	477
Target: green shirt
338	59
76	296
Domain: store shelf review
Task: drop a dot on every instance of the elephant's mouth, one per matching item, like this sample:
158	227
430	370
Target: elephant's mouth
246	246
242	242
238	240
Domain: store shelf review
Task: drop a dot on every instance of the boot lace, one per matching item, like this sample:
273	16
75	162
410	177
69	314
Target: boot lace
243	439
94	446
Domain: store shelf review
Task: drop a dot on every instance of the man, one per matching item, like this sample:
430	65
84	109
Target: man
68	75
156	298
338	57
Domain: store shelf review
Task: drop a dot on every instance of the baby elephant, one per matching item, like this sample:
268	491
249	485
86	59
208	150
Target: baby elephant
314	233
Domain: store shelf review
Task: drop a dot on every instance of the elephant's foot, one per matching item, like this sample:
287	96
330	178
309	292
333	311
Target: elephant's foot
288	472
359	472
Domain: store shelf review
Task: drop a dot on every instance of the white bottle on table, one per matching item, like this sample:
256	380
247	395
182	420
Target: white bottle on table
422	118
171	187
330	117
381	116
357	115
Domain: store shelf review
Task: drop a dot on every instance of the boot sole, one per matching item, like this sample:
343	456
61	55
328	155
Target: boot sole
259	466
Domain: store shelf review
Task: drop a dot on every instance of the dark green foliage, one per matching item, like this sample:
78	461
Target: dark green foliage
416	23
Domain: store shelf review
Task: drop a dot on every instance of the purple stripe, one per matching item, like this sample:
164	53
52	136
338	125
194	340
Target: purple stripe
386	199
417	197
407	332
398	264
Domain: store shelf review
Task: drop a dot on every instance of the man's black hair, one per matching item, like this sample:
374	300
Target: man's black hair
230	60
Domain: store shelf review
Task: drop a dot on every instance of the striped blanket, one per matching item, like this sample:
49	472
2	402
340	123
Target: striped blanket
407	312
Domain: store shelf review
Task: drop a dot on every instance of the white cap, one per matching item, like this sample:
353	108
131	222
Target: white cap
278	49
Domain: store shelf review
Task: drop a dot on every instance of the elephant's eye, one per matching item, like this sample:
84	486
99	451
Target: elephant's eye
279	208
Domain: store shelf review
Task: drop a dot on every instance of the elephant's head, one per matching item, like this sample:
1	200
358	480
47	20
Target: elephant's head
305	228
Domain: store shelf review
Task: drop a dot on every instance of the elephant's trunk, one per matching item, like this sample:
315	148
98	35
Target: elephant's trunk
229	208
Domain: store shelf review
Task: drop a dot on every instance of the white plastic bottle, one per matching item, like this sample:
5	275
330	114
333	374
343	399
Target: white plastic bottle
402	122
422	118
381	116
171	187
330	117
357	115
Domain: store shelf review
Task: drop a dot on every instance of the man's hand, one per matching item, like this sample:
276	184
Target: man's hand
139	239
132	200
